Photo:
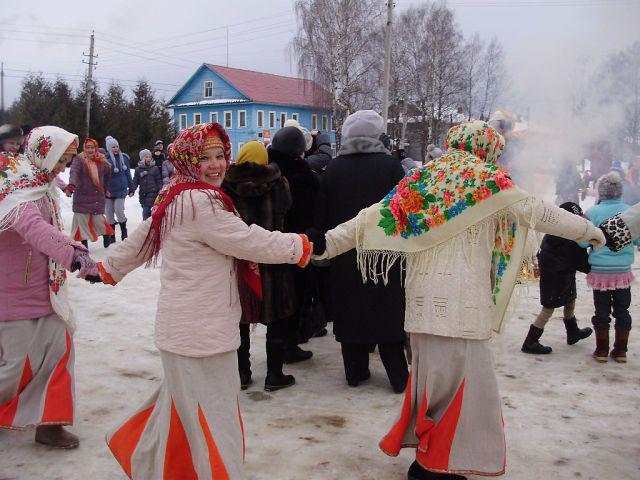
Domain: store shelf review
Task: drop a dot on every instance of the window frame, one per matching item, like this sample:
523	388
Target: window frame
295	116
240	145
325	123
283	116
224	117
314	121
199	114
204	92
260	119
182	124
211	120
272	115
240	125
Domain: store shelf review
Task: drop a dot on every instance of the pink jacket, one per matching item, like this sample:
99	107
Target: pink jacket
199	307
24	259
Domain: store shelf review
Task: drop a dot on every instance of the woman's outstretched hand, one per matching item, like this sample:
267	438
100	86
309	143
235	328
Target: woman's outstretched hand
86	266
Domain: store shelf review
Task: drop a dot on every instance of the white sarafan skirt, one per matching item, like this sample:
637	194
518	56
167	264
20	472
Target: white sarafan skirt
36	373
89	227
190	428
451	413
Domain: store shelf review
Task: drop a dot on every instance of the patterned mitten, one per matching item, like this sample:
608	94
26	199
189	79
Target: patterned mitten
616	232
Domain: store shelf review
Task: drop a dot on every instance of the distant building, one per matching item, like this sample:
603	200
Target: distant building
250	105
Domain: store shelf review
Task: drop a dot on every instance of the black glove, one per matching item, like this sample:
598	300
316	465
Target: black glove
317	237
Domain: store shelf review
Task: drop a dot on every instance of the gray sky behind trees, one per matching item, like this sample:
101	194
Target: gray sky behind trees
548	43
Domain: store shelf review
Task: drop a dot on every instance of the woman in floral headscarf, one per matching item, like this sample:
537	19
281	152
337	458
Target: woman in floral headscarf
191	427
36	325
454	224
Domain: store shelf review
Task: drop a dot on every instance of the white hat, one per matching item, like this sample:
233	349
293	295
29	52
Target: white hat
363	123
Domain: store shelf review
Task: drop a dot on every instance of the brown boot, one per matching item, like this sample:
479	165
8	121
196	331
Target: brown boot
601	354
619	351
56	437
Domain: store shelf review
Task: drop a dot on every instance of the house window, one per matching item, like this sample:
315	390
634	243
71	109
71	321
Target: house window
240	145
208	89
242	119
183	121
228	120
197	118
325	123
260	119
331	120
213	117
295	116
314	122
283	118
272	119
333	150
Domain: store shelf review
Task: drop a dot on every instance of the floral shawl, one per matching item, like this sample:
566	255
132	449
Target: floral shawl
440	200
185	156
25	178
91	164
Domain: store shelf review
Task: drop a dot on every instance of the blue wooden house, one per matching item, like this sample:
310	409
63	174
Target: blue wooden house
250	105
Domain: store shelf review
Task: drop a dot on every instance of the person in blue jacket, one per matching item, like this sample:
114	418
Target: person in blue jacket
610	275
121	185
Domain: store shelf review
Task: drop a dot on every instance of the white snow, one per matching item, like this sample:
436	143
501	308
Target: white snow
566	416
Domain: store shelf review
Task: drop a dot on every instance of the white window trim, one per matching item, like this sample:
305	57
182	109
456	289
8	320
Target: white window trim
272	115
211	114
194	118
258	125
182	121
231	147
331	122
204	92
333	149
314	121
325	123
285	119
245	119
240	145
224	119
295	116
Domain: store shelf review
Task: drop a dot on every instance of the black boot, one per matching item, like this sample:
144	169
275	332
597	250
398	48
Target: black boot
244	356
531	344
106	240
245	379
85	243
112	237
416	472
296	354
123	229
276	380
575	334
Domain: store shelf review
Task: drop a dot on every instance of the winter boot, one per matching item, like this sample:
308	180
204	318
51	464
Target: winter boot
296	354
531	343
276	380
106	240
245	379
575	334
56	437
619	351
601	354
85	243
112	238
416	472
123	229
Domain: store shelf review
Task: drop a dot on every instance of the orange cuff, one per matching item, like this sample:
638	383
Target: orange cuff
106	277
306	251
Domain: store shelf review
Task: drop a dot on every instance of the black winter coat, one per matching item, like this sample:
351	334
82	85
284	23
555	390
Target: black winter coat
362	313
262	197
149	180
558	260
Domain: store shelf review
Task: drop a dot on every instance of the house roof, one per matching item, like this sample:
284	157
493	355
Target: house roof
275	89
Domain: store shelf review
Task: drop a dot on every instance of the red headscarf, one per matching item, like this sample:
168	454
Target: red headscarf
185	156
91	164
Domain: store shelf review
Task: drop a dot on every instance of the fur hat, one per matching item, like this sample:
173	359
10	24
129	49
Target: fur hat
610	186
363	123
308	138
290	141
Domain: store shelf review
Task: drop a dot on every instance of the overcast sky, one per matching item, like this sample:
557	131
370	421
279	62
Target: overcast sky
165	41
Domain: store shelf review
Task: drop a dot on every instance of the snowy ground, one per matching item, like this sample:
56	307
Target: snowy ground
566	416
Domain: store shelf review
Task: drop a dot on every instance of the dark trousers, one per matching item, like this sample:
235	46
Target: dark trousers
276	336
356	362
146	212
612	302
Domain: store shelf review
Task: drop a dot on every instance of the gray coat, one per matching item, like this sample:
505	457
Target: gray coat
87	198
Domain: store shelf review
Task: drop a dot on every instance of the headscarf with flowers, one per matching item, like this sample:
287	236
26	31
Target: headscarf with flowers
185	156
91	163
440	200
24	179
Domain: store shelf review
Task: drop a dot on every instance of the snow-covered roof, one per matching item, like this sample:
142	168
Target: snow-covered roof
213	101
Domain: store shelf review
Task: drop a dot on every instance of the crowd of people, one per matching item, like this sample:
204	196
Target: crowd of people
397	256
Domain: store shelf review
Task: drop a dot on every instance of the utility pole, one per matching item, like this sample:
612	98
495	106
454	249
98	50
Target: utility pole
89	91
387	64
2	87
227	46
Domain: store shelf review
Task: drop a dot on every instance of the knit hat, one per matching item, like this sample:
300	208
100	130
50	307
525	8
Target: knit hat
433	152
111	142
308	138
144	153
616	166
8	131
610	186
572	208
253	151
290	141
363	123
158	142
